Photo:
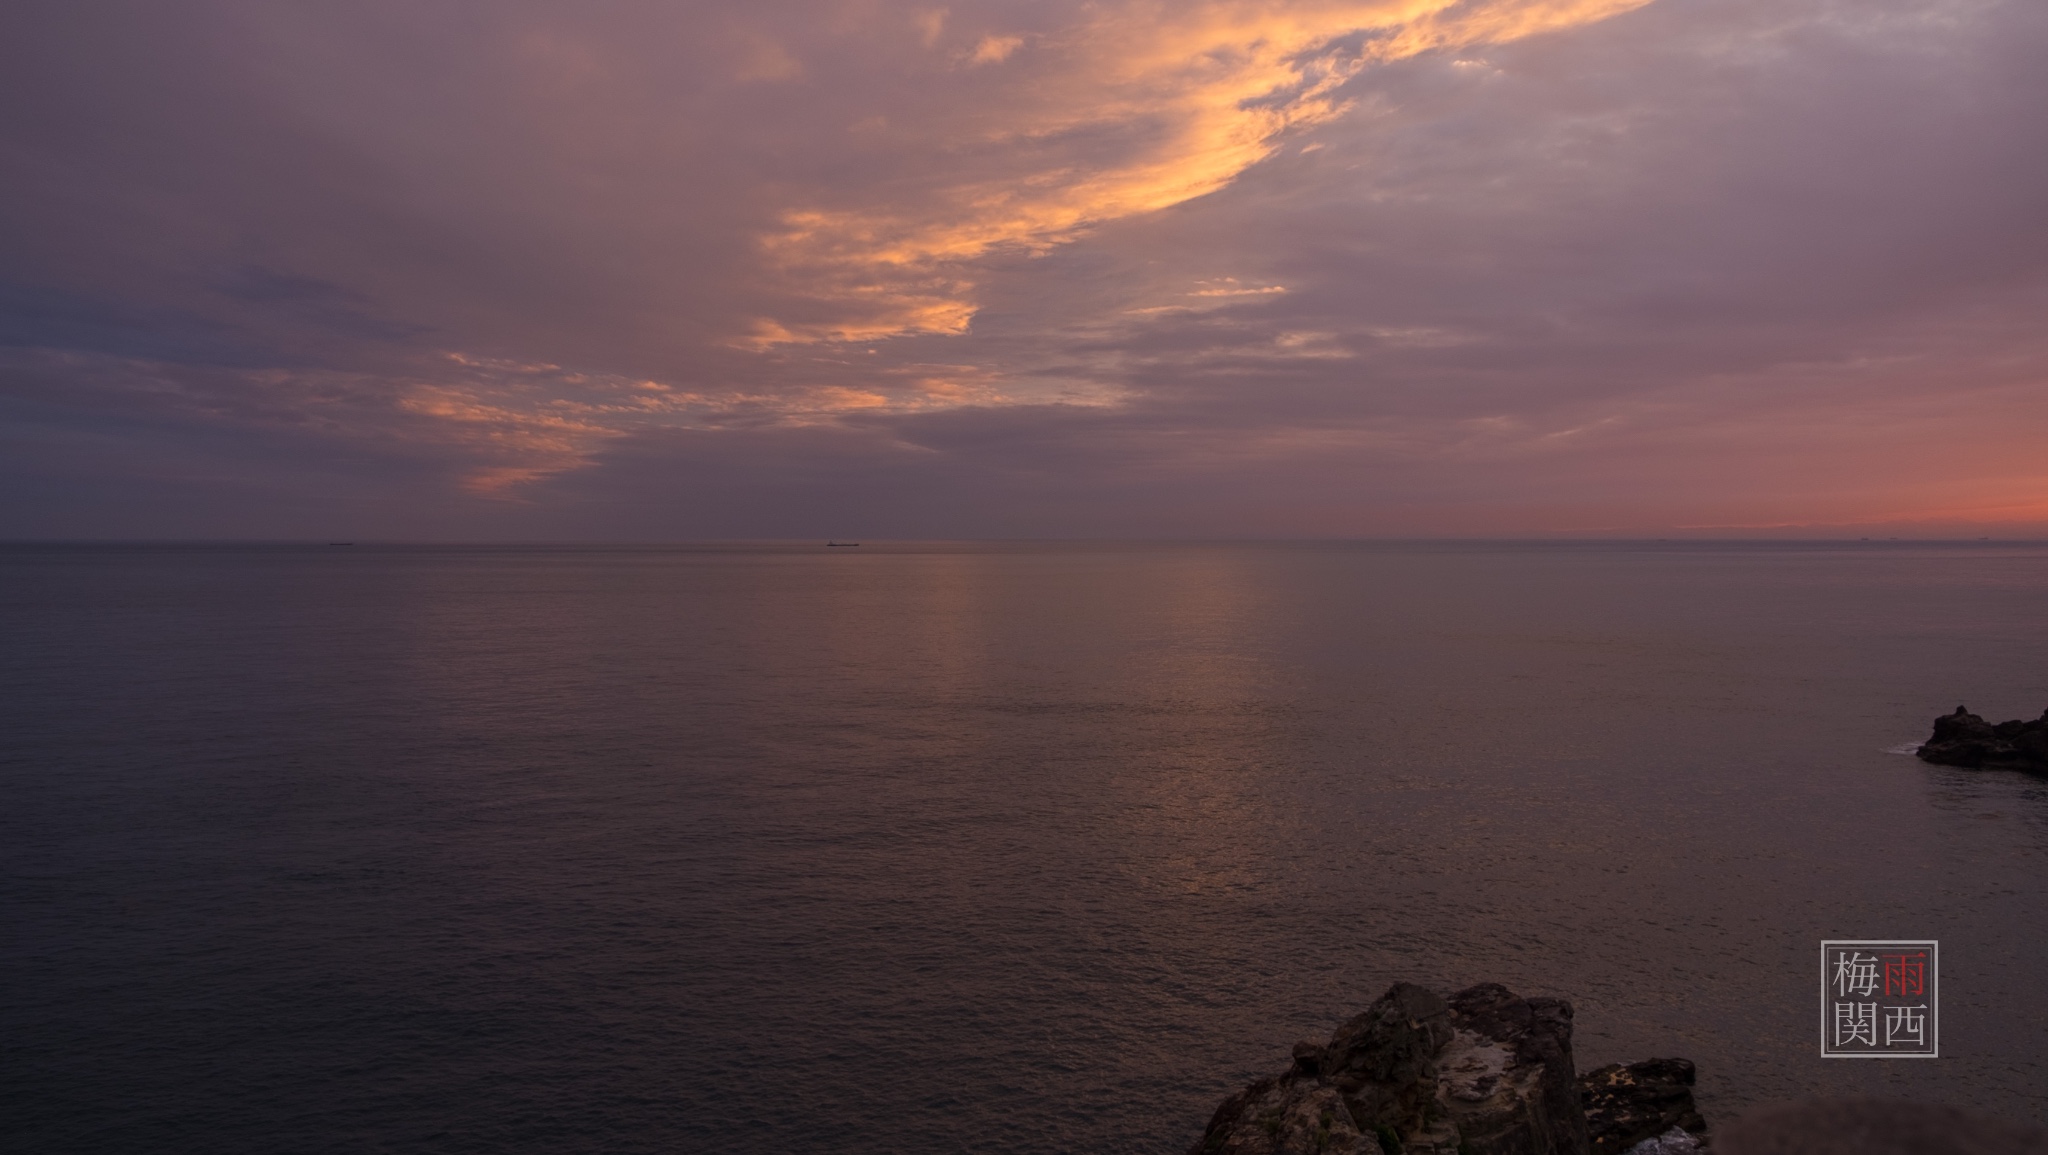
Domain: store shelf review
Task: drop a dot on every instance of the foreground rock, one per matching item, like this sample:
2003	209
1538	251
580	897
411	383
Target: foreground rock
1633	1103
1483	1072
1964	739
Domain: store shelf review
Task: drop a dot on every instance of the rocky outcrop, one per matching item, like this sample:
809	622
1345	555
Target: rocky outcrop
1632	1103
1483	1072
1964	739
1285	1116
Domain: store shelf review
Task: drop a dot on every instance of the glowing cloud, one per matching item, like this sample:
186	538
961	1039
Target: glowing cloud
1197	93
1049	268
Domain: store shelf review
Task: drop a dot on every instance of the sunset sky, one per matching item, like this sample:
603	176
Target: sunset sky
668	269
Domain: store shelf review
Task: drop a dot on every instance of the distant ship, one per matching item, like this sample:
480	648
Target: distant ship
840	544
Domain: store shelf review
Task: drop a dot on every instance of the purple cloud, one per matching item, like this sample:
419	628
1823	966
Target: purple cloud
644	270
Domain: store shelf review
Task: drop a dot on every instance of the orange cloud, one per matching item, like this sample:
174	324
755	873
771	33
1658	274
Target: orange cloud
1204	91
995	49
519	422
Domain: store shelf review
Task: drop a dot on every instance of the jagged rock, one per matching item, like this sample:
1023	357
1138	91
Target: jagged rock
1630	1104
1676	1141
2033	744
1384	1061
1481	1073
1285	1116
1507	1076
1964	739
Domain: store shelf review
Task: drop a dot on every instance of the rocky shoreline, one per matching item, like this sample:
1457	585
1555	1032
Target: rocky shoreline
1487	1072
1964	739
1482	1072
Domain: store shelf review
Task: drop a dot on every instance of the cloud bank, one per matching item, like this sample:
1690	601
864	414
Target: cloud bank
655	270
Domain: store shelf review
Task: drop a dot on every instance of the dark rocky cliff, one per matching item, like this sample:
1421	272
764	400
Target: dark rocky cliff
1484	1072
1964	739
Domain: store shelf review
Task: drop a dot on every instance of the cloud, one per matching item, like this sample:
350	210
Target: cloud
1135	108
1308	267
995	49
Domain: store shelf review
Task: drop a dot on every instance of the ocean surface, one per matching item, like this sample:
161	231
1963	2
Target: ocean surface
993	848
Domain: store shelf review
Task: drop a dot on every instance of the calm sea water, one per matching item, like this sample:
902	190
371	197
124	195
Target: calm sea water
971	848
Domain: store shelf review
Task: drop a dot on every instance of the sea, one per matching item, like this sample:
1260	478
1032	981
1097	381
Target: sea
973	847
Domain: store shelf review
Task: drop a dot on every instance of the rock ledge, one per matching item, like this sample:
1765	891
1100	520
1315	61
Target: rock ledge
1484	1072
1964	739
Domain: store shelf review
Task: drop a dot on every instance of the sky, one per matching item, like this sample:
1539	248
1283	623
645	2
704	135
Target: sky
639	270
